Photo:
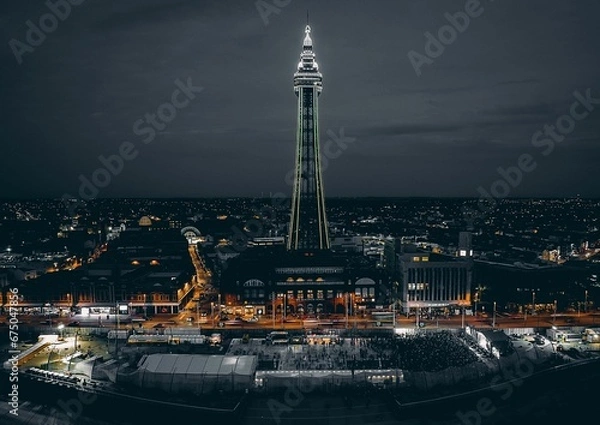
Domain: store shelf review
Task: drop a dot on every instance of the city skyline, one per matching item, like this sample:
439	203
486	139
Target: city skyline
422	120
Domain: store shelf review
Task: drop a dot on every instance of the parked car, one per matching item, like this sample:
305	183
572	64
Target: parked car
252	319
216	339
73	323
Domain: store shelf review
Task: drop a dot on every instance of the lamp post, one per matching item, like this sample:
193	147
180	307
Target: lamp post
417	320
585	305
494	316
117	331
347	307
463	317
219	299
273	307
533	303
60	328
554	315
198	312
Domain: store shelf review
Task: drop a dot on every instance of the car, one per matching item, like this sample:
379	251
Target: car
189	319
216	339
73	323
158	326
252	319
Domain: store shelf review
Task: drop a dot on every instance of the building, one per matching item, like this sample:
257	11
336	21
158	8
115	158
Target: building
268	278
308	228
431	281
143	272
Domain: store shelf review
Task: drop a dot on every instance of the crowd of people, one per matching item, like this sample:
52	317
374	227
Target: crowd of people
431	351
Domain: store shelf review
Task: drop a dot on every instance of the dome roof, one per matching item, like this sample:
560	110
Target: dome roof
145	221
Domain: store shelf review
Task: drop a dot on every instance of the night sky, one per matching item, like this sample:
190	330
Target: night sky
475	107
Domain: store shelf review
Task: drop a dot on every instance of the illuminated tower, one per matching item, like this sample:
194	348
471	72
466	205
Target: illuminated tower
308	223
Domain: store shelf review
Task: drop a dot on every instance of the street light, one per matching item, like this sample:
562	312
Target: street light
585	306
533	303
554	316
60	328
494	316
198	312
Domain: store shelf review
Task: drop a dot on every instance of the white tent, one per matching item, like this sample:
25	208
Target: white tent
195	373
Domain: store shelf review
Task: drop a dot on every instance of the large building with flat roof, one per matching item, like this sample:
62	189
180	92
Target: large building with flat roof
431	281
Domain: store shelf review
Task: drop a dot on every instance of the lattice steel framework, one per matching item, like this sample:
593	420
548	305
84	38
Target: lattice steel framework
308	223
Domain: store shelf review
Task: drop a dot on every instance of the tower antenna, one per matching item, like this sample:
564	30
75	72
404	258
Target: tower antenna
307	16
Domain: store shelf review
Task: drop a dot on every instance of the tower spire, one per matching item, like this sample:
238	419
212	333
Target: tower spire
307	39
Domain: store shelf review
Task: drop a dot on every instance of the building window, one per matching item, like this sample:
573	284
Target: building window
300	294
372	292
357	292
329	294
309	294
290	295
320	294
416	259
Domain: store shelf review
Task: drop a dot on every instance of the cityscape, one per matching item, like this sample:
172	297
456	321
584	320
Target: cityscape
323	260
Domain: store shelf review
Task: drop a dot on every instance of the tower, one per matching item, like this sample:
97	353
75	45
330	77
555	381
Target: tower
308	223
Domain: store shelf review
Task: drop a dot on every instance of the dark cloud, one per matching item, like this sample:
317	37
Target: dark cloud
473	109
